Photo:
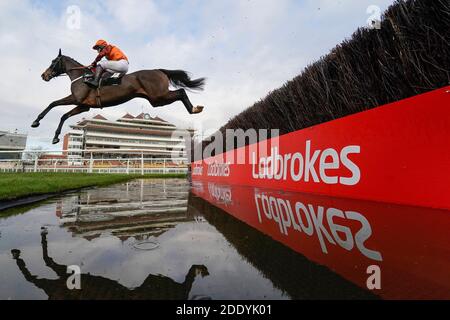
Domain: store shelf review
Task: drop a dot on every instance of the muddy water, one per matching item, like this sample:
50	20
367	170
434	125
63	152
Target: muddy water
166	239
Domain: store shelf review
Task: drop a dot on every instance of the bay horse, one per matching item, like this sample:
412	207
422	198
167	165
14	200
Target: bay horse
152	85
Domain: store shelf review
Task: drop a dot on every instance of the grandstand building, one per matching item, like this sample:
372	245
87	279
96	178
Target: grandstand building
12	142
152	136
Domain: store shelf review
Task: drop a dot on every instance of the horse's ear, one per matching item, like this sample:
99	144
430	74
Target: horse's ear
60	53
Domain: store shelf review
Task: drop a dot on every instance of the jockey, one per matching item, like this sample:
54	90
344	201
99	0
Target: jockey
116	61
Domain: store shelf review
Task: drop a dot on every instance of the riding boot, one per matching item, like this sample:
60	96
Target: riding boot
98	74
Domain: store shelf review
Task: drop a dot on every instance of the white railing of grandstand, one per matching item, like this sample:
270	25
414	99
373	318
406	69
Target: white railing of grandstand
140	164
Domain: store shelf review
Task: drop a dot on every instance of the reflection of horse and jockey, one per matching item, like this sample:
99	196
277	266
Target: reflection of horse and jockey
155	287
96	92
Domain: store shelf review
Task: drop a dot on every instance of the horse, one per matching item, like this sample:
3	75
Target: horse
152	85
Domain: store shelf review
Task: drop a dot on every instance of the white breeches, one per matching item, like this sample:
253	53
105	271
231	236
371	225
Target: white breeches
120	66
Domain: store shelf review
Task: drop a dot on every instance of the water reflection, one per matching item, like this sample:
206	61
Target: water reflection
162	239
139	210
154	287
103	231
289	271
341	236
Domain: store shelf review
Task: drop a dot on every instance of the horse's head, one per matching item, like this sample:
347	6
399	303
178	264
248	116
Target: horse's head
56	68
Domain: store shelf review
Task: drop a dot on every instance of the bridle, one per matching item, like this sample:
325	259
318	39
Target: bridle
58	70
57	64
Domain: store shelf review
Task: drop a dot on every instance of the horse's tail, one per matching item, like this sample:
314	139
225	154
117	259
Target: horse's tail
181	79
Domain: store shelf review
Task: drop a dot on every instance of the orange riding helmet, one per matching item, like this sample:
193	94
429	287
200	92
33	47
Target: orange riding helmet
100	43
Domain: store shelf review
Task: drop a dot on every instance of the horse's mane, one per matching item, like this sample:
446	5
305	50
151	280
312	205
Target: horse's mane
72	60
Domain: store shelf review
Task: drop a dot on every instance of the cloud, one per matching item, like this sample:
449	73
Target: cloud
244	48
136	15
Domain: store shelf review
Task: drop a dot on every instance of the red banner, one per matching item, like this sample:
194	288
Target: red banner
396	153
408	244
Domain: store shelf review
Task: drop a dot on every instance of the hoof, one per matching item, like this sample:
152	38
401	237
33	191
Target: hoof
15	253
197	109
35	124
44	231
55	141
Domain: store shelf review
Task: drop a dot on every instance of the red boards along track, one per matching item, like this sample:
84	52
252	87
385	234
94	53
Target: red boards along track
397	153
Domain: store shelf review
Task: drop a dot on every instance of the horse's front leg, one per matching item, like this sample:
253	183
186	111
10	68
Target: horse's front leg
71	113
62	102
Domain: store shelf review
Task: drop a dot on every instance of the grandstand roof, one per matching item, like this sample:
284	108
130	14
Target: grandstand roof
99	117
127	116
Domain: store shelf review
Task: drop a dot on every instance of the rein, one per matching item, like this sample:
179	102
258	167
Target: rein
64	73
75	80
78	68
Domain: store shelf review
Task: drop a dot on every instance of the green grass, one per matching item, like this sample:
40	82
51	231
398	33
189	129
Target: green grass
19	185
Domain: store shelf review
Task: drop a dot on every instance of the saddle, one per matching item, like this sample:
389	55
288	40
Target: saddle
107	79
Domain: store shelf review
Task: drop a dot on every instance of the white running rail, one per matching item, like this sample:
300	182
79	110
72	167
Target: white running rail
128	161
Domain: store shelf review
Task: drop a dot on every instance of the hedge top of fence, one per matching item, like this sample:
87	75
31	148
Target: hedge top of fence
408	55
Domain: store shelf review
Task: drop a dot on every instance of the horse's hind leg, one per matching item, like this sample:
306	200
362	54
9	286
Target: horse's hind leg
178	95
62	102
71	113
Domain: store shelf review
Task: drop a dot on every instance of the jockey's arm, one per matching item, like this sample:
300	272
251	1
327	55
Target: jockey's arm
102	54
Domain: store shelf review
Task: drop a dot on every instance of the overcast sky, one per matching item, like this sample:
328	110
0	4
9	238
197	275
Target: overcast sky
245	48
